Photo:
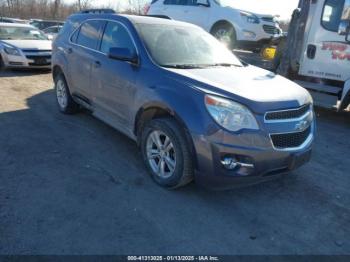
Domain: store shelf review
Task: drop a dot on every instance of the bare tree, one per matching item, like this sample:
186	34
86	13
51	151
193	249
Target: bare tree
136	7
59	9
83	4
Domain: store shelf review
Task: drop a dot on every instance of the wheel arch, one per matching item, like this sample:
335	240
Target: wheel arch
56	70
156	110
222	22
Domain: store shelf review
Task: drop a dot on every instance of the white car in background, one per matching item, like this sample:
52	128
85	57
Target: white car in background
52	31
24	46
234	27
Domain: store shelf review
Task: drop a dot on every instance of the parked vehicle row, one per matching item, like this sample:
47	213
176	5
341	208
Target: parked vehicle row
234	27
43	24
24	46
49	27
194	109
12	20
52	31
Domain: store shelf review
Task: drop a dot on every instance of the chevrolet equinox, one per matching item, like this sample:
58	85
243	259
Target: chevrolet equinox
196	111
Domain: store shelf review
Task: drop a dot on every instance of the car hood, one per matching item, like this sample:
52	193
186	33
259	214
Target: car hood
30	44
255	87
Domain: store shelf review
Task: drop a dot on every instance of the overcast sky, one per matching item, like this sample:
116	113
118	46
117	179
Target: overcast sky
284	8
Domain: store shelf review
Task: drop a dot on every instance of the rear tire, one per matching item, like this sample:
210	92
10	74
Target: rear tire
64	99
2	65
172	168
226	34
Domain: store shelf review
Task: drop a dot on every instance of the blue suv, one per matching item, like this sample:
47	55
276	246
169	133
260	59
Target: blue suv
194	109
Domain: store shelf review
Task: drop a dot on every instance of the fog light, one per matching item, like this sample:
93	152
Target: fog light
229	163
249	34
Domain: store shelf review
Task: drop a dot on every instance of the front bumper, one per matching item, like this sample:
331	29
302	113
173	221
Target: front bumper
267	165
28	60
256	149
253	45
261	32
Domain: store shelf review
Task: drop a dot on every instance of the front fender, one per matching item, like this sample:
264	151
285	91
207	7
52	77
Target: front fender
184	103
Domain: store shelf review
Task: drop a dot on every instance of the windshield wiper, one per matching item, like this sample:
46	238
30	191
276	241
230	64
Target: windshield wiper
199	66
183	66
223	64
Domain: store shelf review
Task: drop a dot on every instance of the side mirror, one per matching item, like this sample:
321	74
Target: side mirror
203	3
123	54
50	37
344	27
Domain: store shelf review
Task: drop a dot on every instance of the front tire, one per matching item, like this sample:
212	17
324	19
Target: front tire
226	34
64	99
2	64
166	153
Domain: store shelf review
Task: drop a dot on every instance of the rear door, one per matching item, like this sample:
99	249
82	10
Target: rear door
197	14
81	56
113	80
175	9
326	53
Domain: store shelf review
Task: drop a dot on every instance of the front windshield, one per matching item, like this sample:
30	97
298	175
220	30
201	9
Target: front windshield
176	46
20	33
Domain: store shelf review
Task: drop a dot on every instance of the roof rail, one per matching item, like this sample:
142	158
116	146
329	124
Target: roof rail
98	11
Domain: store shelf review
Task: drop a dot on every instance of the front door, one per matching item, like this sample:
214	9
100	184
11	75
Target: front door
326	53
113	80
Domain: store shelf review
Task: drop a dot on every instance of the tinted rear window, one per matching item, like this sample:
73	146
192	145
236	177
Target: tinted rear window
89	34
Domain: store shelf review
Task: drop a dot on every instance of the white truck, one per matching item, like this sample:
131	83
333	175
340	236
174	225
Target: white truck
317	52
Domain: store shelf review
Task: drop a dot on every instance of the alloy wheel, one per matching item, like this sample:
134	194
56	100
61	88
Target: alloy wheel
161	154
61	93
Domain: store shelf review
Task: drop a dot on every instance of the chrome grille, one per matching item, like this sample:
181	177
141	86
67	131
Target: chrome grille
287	114
39	60
268	19
272	30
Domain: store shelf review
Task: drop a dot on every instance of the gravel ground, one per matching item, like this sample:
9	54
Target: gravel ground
73	185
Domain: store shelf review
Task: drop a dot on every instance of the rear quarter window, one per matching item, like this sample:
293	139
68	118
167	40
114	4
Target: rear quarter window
89	34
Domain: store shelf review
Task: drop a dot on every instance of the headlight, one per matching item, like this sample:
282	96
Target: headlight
251	18
12	51
230	115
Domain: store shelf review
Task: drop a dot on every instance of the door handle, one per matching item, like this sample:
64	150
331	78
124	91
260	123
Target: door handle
97	64
69	50
311	51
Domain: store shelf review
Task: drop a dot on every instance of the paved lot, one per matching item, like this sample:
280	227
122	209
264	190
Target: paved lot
73	185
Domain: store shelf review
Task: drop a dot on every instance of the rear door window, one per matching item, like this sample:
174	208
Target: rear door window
89	34
332	13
